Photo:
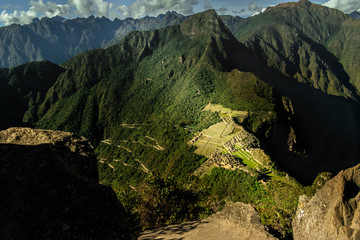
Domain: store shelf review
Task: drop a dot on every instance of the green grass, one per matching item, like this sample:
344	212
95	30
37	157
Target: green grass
247	159
245	156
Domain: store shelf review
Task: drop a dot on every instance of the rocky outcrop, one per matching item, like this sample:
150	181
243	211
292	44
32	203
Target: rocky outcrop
236	221
333	212
75	150
49	189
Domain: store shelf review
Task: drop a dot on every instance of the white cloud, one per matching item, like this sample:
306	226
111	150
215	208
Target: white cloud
153	7
37	9
347	6
49	9
42	8
88	7
254	7
18	17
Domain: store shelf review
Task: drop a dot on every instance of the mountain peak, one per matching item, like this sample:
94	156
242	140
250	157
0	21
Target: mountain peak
203	23
304	2
58	19
300	3
355	15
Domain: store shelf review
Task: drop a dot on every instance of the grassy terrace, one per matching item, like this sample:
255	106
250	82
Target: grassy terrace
245	156
214	137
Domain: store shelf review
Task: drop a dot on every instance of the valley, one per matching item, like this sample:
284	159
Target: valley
192	114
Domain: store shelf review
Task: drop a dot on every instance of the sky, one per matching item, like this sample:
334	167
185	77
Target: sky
24	11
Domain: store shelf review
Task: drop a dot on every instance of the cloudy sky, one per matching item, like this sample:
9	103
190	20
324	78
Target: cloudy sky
23	11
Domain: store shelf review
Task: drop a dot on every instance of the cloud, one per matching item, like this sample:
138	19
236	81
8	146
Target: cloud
139	8
222	10
48	9
347	6
40	9
89	7
254	7
238	12
153	7
207	5
18	17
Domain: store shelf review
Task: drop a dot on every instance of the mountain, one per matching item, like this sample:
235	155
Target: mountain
185	59
301	40
141	100
234	23
332	213
355	15
145	23
189	116
313	45
50	189
152	86
56	39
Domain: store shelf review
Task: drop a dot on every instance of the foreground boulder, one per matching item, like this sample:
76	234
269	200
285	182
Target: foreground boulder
49	189
238	221
333	212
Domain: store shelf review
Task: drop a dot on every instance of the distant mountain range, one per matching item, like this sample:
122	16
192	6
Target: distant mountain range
57	40
355	15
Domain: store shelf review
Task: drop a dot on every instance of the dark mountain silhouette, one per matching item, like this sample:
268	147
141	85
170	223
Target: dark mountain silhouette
355	15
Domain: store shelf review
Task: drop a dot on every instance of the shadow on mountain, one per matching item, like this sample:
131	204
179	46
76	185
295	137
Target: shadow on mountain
332	63
326	127
44	197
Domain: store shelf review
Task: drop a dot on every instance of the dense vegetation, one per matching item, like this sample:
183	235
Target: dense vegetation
140	102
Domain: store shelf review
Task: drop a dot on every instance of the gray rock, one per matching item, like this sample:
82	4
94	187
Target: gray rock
49	189
237	221
333	212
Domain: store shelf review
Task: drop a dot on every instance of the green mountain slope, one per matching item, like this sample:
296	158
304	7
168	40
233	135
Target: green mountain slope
169	72
317	47
144	102
296	38
346	47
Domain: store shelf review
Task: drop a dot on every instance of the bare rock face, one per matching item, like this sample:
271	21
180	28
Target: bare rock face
49	189
76	151
333	212
238	221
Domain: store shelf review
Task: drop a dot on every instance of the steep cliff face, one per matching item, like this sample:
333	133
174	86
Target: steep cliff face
333	213
49	189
